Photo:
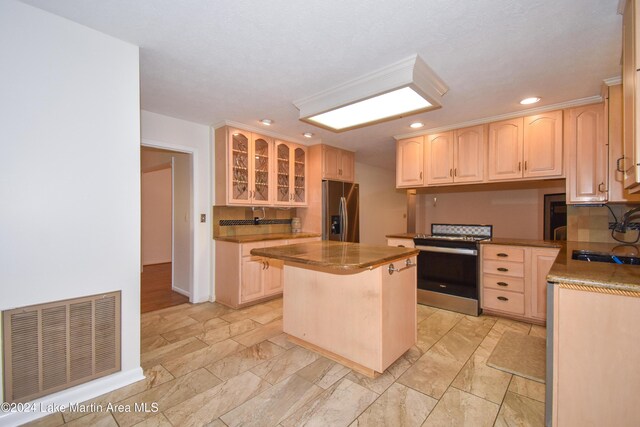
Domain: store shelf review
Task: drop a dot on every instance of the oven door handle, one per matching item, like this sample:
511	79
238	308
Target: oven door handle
461	251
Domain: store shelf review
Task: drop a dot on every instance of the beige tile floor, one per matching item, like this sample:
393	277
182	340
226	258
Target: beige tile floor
209	365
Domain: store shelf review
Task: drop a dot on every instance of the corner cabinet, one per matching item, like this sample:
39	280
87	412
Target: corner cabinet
247	170
631	98
587	156
291	174
338	164
410	162
514	280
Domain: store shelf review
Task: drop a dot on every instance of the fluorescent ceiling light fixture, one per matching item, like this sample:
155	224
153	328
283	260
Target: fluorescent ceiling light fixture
401	89
266	122
307	134
416	125
531	100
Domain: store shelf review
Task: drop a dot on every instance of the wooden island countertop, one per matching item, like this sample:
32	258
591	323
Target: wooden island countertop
343	256
350	302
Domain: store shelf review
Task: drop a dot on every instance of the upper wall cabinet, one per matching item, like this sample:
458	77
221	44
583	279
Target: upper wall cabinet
456	156
291	173
528	147
245	170
338	164
630	56
586	142
409	162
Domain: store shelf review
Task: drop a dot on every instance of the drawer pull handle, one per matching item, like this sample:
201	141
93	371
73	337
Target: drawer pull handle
502	269
502	284
503	298
502	254
408	264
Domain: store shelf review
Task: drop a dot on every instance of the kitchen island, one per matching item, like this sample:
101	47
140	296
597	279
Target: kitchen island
350	302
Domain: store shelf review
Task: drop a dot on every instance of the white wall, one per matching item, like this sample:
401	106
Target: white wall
383	209
156	216
70	175
179	135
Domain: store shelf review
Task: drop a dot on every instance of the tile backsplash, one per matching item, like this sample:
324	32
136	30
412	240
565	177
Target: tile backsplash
239	221
592	224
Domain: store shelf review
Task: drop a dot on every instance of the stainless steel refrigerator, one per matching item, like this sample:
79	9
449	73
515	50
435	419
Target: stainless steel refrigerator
340	211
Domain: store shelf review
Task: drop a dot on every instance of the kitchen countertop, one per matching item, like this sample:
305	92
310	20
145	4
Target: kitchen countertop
343	256
599	274
263	237
401	236
523	242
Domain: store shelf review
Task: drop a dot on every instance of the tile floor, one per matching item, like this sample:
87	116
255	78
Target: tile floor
209	365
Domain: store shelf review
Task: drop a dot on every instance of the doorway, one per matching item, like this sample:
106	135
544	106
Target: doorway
167	228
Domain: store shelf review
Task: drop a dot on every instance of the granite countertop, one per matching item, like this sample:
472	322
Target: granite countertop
263	237
401	236
523	242
343	256
599	274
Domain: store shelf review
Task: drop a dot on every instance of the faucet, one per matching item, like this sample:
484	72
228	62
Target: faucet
621	227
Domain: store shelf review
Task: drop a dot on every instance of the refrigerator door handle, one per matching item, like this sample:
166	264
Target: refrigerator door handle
345	219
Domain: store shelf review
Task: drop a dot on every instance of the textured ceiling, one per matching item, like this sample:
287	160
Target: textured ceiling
208	61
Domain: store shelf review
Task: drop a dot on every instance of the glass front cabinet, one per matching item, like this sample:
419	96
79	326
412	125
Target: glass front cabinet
259	170
291	172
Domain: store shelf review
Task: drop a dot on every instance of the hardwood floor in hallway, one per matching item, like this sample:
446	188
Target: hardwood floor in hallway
155	288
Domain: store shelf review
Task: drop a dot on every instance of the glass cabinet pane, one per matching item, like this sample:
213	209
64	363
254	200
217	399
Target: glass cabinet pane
240	167
283	172
261	170
299	183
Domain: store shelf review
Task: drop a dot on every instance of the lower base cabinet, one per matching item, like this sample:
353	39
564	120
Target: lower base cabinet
514	281
243	279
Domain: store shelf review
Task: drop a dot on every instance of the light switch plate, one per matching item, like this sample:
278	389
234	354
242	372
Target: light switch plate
203	217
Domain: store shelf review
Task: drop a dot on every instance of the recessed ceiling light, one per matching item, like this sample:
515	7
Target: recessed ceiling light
307	134
531	100
266	122
416	125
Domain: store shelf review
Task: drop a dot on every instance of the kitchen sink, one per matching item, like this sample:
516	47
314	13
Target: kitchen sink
592	256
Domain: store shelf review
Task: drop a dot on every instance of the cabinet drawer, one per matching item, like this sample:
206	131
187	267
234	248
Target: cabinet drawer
303	240
513	284
406	243
271	243
246	247
503	253
503	268
509	302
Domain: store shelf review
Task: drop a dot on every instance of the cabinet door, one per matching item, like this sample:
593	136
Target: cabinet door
239	165
251	286
409	162
617	192
273	276
468	154
283	173
541	262
260	161
543	145
331	162
629	76
586	154
299	174
505	150
439	158
347	166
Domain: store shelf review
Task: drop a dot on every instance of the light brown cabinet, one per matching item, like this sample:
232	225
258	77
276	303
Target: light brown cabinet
514	280
630	56
587	156
455	156
528	147
410	162
402	243
290	174
338	164
243	279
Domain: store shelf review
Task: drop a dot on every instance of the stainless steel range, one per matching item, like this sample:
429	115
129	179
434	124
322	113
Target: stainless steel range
448	267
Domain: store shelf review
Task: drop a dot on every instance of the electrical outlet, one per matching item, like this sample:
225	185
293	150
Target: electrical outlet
203	217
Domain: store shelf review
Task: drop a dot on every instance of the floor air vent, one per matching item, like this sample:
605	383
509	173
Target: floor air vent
53	346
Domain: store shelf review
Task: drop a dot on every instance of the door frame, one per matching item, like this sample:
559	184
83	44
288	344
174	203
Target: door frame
148	143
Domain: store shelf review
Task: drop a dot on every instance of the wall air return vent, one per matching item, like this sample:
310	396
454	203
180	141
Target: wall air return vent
57	345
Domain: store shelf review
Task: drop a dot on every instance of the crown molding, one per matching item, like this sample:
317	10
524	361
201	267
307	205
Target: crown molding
520	113
613	81
265	132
